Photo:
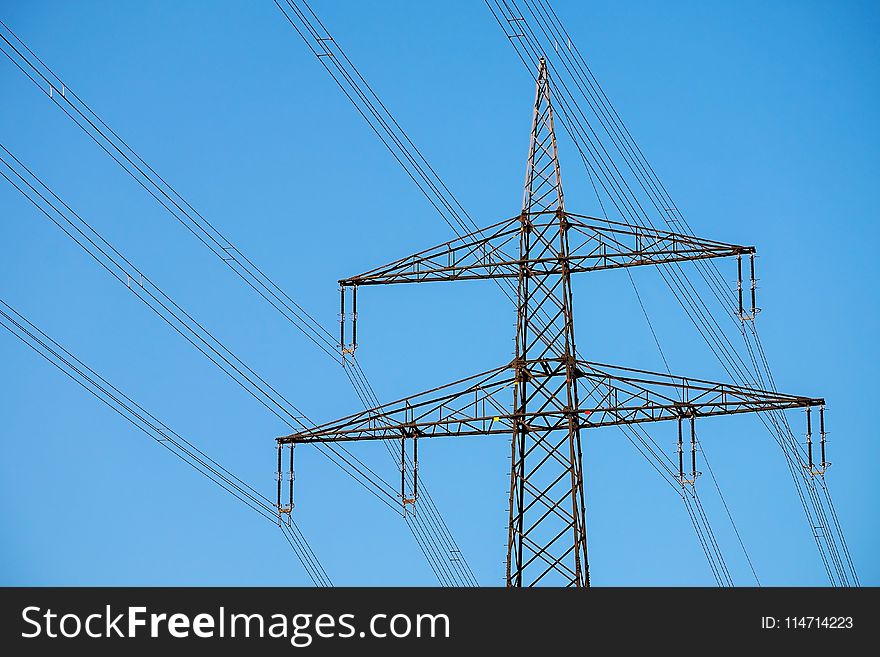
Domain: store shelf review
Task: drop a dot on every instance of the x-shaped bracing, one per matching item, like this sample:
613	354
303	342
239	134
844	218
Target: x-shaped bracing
480	405
594	244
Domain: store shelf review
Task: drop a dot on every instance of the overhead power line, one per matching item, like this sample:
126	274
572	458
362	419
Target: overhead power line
328	51
139	284
429	529
539	31
137	415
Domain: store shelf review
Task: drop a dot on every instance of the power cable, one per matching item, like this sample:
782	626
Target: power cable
122	404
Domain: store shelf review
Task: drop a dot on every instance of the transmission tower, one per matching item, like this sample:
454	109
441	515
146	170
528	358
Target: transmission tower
547	393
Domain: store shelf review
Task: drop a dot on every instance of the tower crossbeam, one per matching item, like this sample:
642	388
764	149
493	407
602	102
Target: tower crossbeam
546	395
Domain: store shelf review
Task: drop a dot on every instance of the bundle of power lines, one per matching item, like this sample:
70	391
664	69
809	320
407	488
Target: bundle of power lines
539	32
428	527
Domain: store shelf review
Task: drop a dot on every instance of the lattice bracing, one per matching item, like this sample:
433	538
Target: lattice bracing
546	395
480	405
594	244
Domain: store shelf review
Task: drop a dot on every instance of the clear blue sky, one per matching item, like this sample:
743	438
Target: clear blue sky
761	118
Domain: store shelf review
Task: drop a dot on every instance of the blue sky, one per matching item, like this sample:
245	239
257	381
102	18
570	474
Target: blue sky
759	117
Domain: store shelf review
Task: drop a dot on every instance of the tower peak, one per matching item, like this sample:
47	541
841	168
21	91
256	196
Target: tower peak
543	185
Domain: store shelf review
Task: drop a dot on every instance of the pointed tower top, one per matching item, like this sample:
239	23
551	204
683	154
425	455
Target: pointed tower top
543	188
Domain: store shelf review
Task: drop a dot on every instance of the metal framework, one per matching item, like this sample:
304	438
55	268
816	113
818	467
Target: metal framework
554	393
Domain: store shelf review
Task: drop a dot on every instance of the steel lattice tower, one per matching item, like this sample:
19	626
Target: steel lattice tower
546	478
555	393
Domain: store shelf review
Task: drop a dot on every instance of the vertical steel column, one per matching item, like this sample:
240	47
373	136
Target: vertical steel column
546	531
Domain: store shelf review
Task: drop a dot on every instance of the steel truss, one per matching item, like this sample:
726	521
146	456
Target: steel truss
554	394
